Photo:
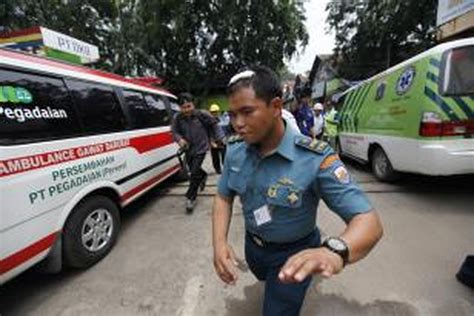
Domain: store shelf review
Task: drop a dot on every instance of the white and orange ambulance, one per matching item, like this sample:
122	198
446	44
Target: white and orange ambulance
76	146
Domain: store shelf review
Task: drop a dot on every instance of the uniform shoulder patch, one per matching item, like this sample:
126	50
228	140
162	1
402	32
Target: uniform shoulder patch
314	145
234	139
342	175
329	161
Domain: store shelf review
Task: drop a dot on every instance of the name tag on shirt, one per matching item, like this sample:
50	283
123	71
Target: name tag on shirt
262	215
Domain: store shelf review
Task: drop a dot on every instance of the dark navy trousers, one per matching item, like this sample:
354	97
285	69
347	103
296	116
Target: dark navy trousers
197	174
265	263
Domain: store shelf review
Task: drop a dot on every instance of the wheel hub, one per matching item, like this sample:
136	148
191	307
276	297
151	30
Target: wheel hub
97	230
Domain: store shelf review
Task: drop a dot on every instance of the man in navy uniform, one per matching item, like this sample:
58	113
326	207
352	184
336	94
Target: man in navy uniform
280	176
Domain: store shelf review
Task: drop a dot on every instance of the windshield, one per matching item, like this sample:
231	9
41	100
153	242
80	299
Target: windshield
458	76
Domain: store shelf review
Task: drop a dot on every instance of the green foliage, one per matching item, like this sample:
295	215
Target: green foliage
200	44
197	45
373	35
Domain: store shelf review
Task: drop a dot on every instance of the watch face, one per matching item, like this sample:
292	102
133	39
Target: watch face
336	244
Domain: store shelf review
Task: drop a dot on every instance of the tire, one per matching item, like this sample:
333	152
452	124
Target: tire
382	167
90	231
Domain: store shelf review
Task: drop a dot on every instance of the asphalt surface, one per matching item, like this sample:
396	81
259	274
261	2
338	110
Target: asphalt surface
162	263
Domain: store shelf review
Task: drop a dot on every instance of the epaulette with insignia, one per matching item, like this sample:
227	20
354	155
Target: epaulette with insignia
315	145
234	139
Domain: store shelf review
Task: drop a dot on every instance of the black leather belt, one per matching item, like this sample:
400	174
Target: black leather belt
259	241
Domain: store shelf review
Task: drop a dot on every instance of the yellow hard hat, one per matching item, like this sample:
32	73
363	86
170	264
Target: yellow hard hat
214	108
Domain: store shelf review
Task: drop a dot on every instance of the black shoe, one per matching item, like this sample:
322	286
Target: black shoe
190	204
203	183
466	273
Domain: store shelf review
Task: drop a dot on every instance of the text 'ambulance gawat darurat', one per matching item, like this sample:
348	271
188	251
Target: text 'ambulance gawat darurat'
76	146
415	117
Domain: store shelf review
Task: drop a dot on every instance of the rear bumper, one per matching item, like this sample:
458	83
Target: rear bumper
448	157
434	157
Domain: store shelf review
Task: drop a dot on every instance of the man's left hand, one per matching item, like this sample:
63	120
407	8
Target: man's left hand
311	261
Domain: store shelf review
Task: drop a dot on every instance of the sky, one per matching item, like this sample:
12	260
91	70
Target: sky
319	42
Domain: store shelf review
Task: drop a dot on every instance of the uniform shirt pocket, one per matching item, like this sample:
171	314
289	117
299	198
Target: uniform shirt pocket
284	196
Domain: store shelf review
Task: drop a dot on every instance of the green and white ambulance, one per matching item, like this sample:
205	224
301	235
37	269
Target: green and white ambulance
415	117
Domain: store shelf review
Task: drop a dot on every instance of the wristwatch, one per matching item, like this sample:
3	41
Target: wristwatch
339	246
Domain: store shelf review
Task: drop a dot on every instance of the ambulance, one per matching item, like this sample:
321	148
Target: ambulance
76	146
416	117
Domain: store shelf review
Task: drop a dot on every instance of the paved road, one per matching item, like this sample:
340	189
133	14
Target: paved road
162	264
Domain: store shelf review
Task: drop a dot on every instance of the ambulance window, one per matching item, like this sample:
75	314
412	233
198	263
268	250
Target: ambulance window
34	108
174	107
379	94
98	107
157	110
457	67
139	110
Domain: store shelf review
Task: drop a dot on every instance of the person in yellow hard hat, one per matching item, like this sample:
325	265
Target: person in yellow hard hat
215	109
217	149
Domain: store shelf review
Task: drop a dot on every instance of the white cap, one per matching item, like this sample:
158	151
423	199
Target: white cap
241	75
318	106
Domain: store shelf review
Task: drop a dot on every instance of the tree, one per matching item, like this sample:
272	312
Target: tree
200	44
195	45
374	35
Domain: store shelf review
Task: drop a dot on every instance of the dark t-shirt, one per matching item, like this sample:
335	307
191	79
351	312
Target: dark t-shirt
194	130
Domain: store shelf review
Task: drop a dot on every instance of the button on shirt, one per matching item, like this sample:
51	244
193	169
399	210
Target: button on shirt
289	184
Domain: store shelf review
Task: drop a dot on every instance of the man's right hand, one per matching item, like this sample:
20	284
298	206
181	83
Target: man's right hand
225	263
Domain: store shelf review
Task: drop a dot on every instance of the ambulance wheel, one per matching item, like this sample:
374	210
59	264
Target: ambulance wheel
382	167
90	231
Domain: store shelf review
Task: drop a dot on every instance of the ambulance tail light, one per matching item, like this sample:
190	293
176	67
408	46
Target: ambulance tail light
433	126
454	128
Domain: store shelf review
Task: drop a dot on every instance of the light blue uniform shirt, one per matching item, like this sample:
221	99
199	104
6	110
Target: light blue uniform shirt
290	182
